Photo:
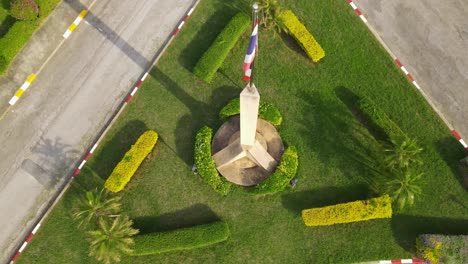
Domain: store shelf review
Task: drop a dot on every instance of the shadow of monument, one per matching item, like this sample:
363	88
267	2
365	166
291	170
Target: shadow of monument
196	214
201	113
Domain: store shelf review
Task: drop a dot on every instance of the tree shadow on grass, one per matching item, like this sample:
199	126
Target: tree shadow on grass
451	152
196	214
5	4
201	113
329	130
351	100
114	149
407	227
297	201
6	24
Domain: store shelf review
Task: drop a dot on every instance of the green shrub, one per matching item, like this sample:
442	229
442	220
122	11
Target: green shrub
214	57
442	248
299	32
380	207
370	109
24	9
181	239
266	111
18	34
285	171
127	167
206	166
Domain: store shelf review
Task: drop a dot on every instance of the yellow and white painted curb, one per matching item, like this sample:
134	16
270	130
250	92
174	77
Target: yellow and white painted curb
75	23
22	89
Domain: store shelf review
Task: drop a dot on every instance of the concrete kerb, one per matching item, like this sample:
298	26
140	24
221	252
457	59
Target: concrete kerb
408	75
42	215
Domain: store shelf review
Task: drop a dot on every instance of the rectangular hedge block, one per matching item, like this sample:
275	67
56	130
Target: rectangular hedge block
181	239
214	57
380	207
299	32
127	167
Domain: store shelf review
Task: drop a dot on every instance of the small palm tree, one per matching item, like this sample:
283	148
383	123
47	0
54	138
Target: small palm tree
269	10
404	188
403	153
96	206
112	239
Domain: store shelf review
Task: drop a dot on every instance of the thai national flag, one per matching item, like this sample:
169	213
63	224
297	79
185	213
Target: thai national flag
250	56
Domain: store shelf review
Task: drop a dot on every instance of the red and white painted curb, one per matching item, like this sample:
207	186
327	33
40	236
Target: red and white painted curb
90	152
30	236
75	23
183	21
457	136
411	79
358	12
401	261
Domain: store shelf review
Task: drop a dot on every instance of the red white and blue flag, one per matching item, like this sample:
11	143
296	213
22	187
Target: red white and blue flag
250	56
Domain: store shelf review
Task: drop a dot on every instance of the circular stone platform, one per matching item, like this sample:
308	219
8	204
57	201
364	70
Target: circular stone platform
244	171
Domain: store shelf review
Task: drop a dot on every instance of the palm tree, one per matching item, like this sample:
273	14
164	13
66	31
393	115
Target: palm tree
403	153
112	239
269	10
96	206
404	188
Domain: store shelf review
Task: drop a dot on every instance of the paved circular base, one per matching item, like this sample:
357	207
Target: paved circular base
244	171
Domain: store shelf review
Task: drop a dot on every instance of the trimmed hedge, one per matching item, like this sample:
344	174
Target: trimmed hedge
370	109
442	248
356	211
24	9
299	32
205	164
285	171
18	34
266	111
127	167
214	57
181	239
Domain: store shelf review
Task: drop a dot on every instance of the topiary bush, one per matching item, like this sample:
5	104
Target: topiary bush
300	33
24	9
285	171
266	111
205	164
380	207
129	164
214	57
442	248
181	239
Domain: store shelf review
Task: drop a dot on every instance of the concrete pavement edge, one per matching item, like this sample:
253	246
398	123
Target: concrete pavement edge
46	211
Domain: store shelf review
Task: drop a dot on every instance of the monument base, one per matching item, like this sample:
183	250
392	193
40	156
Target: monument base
233	161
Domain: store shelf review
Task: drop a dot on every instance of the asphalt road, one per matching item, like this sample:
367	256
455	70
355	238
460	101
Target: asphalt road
44	135
430	38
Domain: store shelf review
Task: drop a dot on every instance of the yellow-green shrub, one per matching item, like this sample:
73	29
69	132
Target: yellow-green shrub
380	207
124	171
299	32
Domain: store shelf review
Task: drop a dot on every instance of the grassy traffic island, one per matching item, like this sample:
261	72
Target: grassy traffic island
340	114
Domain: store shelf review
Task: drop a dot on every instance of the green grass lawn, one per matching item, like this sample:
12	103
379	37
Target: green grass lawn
6	21
337	155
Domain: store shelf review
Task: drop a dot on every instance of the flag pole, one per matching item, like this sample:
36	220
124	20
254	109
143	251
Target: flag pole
254	22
